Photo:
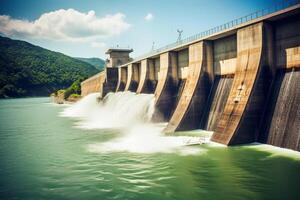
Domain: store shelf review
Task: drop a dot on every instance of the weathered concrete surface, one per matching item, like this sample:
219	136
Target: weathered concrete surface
129	76
144	76
284	111
171	80
225	52
148	75
151	82
133	77
122	79
183	63
167	87
293	57
244	106
281	123
93	84
195	93
224	56
111	80
287	42
217	101
162	75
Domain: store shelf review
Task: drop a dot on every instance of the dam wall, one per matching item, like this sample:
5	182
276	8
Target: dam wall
243	109
103	82
196	88
281	124
283	115
224	64
240	80
111	80
93	84
171	80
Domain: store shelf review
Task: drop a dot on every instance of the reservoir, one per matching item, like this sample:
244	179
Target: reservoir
46	154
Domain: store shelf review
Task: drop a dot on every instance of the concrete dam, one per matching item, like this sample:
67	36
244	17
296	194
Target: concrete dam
240	80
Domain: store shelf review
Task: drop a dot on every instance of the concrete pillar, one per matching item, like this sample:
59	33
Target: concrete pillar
122	79
148	75
166	89
129	76
224	59
144	76
195	93
133	77
244	107
162	75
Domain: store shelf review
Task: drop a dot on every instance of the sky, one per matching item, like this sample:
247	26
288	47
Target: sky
87	28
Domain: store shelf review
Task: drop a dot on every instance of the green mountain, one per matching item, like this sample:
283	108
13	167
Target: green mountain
29	70
97	62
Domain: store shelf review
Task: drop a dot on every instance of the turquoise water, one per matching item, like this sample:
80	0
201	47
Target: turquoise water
43	156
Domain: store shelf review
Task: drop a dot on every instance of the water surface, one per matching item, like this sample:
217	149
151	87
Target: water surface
44	156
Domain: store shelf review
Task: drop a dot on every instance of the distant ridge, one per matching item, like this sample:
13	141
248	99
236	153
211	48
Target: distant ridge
98	63
29	70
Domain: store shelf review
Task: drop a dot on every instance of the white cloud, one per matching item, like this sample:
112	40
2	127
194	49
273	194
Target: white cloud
70	25
149	17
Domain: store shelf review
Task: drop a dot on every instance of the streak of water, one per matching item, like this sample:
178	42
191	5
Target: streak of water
131	113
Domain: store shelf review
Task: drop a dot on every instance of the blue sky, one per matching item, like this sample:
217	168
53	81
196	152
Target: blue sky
86	28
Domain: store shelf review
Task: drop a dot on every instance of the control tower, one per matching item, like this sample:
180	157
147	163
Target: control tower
118	56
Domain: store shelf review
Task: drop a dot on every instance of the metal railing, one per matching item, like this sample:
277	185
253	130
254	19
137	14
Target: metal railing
119	47
234	23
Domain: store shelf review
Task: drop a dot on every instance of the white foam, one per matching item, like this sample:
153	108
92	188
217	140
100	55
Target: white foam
275	151
131	114
83	107
116	110
148	138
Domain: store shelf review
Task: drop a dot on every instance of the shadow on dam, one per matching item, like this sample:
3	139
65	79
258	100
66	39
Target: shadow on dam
216	102
281	125
134	77
171	82
122	79
149	73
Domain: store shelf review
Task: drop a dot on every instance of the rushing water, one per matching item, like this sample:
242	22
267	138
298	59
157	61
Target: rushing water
46	153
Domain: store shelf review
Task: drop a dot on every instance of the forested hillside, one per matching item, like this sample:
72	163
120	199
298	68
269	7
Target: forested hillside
28	70
97	62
